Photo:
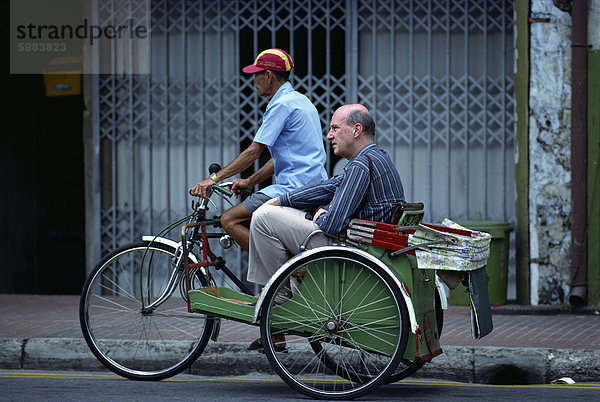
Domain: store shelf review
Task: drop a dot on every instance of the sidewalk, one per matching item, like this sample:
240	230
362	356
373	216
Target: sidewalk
537	345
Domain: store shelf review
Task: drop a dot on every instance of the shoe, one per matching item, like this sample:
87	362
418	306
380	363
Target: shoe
278	341
283	296
255	345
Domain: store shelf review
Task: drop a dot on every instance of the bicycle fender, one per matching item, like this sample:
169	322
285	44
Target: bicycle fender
443	293
409	305
168	242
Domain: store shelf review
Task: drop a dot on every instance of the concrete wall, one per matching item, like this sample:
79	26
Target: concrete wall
550	149
549	153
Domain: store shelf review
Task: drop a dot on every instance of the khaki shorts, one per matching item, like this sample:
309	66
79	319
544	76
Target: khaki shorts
255	200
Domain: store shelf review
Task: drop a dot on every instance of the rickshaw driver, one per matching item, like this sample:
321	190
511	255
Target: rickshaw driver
368	188
291	129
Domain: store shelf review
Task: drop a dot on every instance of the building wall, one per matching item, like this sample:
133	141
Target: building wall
593	28
549	153
550	149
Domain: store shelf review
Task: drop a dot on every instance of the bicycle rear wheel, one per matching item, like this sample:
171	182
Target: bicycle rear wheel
128	338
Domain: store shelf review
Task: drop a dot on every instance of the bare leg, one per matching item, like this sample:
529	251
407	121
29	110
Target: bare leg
234	220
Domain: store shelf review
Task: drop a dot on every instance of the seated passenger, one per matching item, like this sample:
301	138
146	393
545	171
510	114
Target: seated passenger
368	188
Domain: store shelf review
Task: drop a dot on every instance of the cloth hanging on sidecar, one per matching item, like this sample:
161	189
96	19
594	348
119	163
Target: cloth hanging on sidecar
481	310
462	250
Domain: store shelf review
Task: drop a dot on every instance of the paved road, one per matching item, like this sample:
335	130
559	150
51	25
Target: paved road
18	385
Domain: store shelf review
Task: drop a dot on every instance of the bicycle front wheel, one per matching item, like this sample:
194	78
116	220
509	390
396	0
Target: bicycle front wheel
126	336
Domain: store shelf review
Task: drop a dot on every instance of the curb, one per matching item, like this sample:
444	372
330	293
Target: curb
503	365
484	364
552	309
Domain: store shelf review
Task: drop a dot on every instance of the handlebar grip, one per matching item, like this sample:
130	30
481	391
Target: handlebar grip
222	190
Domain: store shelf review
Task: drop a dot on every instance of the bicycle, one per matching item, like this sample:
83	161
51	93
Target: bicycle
134	312
349	319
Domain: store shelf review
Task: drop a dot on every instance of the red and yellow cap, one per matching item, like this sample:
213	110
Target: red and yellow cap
270	59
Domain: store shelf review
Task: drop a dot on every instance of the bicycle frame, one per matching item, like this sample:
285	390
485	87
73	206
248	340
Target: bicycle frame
199	235
208	257
182	256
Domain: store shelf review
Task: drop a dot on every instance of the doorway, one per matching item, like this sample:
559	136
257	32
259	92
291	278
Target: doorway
41	182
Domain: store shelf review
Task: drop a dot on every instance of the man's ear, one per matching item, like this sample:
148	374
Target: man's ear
357	129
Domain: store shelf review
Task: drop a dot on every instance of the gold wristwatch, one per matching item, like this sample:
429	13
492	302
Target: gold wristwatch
213	177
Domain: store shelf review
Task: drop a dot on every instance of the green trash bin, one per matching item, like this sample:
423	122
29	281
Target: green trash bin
497	264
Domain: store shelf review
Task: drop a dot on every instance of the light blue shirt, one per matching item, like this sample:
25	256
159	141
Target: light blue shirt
291	129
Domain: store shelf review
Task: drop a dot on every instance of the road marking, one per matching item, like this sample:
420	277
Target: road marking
416	382
57	375
461	384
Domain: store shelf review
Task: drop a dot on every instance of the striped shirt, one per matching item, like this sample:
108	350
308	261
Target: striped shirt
342	195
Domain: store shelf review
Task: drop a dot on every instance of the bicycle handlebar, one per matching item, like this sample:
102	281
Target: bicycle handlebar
222	190
246	190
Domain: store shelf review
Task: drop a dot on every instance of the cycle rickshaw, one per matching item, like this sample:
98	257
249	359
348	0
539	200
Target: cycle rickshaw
355	315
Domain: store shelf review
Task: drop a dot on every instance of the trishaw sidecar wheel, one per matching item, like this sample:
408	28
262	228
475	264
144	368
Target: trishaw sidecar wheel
344	306
135	342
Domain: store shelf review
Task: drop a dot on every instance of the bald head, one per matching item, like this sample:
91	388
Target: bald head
352	107
357	113
352	128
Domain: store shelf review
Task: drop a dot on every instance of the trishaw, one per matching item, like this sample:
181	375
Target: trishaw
355	315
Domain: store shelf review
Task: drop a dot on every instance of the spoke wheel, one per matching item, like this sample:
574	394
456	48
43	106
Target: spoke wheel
405	367
125	335
342	305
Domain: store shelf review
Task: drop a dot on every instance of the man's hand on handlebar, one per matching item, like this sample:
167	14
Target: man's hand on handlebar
200	189
239	185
